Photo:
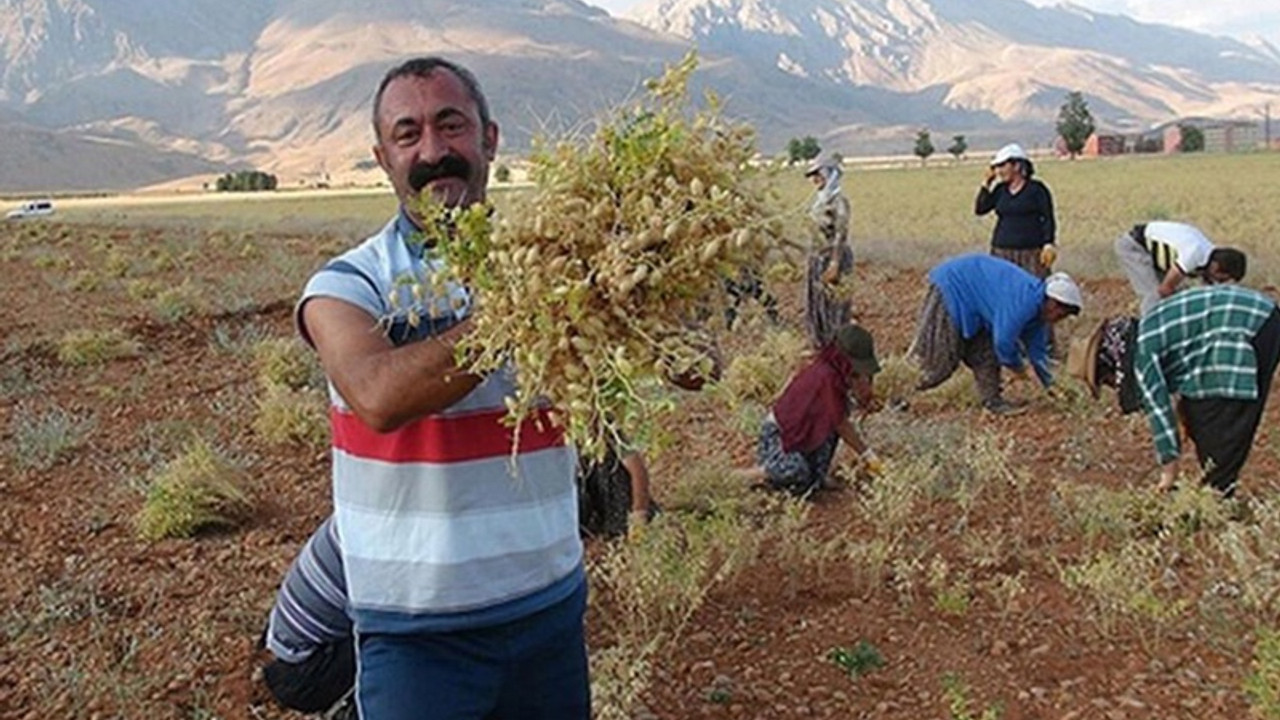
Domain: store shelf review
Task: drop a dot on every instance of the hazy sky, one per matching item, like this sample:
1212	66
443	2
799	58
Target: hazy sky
1238	18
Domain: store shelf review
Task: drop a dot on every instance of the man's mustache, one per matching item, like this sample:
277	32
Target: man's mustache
449	166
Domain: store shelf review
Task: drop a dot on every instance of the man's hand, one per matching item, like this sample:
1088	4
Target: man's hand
1048	256
1172	279
1168	475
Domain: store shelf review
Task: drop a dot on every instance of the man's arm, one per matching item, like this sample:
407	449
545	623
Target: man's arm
386	386
1172	279
1157	402
639	473
848	432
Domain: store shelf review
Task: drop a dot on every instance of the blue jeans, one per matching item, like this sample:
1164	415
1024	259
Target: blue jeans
534	668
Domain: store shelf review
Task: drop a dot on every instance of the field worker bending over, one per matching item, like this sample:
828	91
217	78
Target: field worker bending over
1158	256
1216	348
798	439
463	564
831	257
983	311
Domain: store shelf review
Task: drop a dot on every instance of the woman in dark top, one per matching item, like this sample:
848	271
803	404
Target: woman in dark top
1024	233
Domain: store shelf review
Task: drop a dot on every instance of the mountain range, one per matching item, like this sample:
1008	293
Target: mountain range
101	94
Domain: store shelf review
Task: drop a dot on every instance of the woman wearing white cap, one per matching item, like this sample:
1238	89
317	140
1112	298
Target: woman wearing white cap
1025	228
831	257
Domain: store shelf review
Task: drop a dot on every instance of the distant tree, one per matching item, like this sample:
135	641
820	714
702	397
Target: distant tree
802	149
502	174
958	146
1192	138
809	148
1075	123
246	181
924	145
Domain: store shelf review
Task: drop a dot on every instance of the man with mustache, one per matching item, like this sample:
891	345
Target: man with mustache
463	574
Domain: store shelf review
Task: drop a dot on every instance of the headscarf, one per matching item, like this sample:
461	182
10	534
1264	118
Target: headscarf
815	402
830	172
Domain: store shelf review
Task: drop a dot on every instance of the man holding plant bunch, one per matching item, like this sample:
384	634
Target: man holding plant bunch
465	583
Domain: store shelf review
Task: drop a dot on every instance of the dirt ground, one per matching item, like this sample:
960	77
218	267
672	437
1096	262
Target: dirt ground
99	624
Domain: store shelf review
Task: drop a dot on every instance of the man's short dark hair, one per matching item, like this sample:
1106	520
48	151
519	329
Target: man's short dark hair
423	67
1230	261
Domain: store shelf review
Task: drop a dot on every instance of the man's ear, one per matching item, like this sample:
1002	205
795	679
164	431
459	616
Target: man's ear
491	141
381	158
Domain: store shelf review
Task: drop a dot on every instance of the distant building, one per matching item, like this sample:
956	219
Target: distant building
1232	136
1101	145
1172	138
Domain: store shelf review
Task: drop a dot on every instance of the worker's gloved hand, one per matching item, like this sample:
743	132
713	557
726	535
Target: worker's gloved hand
871	463
1048	256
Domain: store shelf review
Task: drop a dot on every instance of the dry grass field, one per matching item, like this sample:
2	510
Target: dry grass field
1002	567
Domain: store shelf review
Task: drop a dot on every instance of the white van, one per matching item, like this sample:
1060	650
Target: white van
33	208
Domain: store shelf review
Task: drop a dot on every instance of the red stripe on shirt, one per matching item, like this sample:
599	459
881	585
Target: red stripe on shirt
444	439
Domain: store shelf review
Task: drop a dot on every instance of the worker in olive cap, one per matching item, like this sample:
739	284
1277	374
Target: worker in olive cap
798	439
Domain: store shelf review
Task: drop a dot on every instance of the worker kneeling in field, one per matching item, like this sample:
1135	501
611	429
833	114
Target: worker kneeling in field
1158	256
799	437
984	311
1216	348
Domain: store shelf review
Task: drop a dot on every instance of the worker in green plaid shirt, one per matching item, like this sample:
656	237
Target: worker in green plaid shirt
1216	348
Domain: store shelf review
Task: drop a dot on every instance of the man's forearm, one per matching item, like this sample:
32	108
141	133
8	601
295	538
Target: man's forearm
848	432
417	379
386	386
1169	285
1164	434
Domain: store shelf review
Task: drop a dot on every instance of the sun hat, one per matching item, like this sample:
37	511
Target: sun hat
1062	288
1082	358
1012	151
1108	352
856	344
821	163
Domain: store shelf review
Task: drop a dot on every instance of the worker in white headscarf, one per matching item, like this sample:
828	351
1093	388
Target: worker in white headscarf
830	256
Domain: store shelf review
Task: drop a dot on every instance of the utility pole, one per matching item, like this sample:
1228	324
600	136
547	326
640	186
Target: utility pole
1266	125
